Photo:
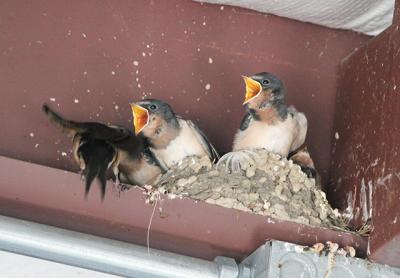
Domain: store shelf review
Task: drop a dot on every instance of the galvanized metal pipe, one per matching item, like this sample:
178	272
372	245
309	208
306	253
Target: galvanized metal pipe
101	254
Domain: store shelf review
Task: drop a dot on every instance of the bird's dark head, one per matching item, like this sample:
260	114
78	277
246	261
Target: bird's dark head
150	115
262	90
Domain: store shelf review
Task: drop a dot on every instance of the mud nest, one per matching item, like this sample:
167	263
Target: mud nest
271	185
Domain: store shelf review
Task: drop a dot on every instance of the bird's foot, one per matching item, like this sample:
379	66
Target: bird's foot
235	162
164	178
123	187
116	175
120	187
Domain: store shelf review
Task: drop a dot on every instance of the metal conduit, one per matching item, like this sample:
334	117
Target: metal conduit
105	255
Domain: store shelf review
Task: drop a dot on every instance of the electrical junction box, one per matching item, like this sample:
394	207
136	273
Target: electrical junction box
285	260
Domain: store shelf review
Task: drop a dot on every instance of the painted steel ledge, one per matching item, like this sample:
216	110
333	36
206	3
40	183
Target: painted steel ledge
55	197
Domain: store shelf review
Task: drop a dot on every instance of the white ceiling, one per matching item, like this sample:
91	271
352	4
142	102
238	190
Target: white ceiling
366	16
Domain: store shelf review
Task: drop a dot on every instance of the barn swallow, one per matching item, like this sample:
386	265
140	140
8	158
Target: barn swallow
98	148
268	124
170	137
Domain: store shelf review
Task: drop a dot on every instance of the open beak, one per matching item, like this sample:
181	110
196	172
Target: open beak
253	88
140	117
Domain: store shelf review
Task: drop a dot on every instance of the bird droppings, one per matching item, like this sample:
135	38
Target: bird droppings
207	86
337	136
84	35
113	72
52	99
210	60
271	186
136	63
143	54
64	154
36	145
76	100
116	107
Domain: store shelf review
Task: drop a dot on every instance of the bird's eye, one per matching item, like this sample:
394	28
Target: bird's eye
266	82
153	107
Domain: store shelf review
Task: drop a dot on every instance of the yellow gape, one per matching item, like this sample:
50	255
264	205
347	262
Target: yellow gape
140	117
253	88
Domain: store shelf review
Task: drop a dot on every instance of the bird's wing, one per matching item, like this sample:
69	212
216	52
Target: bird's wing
94	129
245	121
203	140
300	131
111	133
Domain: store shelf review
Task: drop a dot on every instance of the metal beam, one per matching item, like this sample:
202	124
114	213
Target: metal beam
105	255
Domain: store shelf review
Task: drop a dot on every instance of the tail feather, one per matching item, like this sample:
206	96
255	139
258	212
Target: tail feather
67	126
98	155
90	175
103	180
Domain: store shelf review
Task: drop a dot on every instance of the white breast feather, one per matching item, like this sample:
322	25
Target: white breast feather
184	145
281	138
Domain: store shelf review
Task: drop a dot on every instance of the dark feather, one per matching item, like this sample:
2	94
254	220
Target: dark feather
245	121
96	130
212	151
98	156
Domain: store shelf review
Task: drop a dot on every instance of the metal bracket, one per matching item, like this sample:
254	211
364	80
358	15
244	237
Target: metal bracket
227	267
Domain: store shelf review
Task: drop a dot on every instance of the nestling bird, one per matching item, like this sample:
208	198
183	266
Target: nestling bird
170	137
98	147
268	124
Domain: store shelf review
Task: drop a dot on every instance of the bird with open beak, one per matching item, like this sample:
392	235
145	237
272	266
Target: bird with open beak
170	137
98	148
269	123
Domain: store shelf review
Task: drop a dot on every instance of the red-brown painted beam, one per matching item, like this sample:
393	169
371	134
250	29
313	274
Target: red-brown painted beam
85	50
55	197
365	170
